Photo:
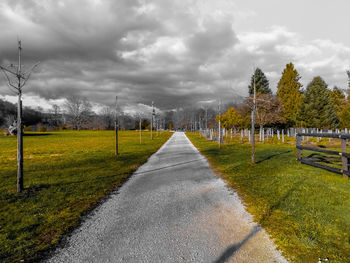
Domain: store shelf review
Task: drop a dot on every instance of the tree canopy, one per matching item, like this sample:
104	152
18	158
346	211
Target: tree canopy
230	119
78	110
269	110
344	117
338	99
317	109
261	83
288	93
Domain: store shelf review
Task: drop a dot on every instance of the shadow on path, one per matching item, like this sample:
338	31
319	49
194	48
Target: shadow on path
169	166
231	250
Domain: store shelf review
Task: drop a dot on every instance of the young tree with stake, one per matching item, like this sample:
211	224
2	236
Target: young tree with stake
16	80
152	120
253	122
116	126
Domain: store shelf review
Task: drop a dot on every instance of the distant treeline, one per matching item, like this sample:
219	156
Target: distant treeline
60	119
316	106
77	114
8	113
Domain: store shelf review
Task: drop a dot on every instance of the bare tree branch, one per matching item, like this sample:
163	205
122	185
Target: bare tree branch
6	69
30	72
15	92
9	82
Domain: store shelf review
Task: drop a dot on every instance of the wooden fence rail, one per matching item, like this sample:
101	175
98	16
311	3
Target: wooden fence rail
309	161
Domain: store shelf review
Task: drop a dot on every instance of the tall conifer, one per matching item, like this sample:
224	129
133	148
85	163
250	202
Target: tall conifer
261	83
317	109
338	99
288	92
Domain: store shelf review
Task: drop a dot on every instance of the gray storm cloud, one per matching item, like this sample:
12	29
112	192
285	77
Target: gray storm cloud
174	53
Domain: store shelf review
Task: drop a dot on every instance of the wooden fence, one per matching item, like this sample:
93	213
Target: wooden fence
313	161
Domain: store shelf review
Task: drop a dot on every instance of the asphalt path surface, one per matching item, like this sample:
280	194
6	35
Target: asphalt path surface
173	209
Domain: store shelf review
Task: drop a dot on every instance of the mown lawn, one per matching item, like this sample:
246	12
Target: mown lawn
305	209
65	175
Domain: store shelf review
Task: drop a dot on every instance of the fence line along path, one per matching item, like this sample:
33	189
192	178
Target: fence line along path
315	161
173	209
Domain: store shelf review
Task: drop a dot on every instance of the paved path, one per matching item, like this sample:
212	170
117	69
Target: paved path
173	209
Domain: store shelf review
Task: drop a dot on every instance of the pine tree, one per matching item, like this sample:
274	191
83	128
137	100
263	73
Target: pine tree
344	117
317	109
261	83
288	92
332	119
338	99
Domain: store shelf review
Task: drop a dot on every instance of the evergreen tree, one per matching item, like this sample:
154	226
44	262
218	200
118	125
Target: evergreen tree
261	83
344	117
348	97
332	119
288	93
338	99
317	109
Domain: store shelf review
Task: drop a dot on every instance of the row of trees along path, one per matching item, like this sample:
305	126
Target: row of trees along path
316	106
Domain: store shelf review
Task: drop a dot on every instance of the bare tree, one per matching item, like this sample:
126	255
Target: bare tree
79	110
269	110
55	116
107	117
16	79
141	118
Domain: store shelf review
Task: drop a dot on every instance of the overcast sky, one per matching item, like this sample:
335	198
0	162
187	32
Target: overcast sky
176	53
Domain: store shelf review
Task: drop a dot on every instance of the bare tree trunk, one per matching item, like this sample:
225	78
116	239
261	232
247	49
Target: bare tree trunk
116	126
152	121
253	125
140	131
19	75
19	144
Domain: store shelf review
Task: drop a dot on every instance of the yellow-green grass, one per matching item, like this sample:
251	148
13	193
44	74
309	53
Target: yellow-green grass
305	209
65	175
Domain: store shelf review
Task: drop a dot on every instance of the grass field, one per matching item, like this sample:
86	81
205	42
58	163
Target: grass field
305	209
65	175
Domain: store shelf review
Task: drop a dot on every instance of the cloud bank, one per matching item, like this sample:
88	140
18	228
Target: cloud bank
175	53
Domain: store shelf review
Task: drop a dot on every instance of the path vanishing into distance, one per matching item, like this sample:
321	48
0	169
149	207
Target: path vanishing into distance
172	209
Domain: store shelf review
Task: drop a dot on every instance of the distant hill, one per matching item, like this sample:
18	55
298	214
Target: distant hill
8	112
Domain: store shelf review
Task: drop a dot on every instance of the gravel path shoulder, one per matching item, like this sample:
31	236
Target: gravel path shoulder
173	209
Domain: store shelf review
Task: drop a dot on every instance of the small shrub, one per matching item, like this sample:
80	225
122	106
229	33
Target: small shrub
42	129
27	128
5	131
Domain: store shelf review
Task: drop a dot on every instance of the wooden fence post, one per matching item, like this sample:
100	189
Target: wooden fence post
344	159
298	142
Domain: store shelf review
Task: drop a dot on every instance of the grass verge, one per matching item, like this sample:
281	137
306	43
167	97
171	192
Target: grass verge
65	175
305	209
